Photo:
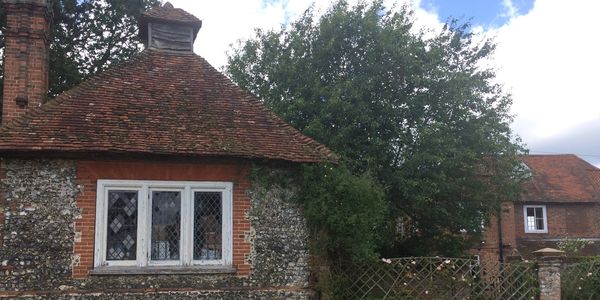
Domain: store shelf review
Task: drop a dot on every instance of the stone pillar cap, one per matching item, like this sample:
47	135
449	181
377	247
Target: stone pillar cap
549	252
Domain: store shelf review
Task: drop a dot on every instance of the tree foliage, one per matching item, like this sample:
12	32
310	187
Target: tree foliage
89	35
345	212
424	116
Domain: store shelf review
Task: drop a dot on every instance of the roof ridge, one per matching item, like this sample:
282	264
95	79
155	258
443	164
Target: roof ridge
566	155
552	154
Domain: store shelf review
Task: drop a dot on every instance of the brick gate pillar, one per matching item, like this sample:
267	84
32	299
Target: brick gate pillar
550	263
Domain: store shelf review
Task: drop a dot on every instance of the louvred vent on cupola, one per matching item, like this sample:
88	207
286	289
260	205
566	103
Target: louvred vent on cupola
169	28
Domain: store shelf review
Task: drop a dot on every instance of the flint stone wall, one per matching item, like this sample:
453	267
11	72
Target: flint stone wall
38	234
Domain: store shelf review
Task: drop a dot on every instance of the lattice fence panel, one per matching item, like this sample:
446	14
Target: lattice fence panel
438	278
581	280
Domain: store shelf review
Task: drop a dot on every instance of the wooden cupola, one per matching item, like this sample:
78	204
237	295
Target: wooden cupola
169	28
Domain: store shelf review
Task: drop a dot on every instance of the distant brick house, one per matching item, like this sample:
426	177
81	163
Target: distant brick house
560	200
137	182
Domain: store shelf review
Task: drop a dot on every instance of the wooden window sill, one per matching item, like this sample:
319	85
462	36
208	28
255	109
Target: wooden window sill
162	270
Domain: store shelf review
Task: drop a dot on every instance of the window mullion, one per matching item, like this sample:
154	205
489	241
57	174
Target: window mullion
545	218
100	236
142	257
186	231
227	207
187	235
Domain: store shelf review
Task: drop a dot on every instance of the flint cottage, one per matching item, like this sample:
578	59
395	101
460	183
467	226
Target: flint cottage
138	182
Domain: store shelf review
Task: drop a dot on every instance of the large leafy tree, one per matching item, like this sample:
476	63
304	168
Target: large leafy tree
88	36
423	116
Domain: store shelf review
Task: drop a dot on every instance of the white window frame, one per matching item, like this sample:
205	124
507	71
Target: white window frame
144	188
527	230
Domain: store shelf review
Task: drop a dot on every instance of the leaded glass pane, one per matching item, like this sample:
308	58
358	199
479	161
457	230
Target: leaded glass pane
166	218
207	225
121	233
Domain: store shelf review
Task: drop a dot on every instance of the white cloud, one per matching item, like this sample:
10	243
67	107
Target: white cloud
224	22
549	59
510	9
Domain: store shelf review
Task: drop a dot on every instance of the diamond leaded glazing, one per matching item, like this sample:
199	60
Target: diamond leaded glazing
166	220
122	225
207	225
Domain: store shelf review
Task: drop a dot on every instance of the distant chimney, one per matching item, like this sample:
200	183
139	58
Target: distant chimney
169	28
25	56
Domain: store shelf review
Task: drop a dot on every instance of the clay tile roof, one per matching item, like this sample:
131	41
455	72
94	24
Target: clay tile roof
168	13
160	103
561	178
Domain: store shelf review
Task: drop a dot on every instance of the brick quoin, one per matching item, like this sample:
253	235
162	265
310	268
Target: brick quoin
25	56
88	172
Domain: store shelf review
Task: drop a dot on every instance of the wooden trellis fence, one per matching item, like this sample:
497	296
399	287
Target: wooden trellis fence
438	278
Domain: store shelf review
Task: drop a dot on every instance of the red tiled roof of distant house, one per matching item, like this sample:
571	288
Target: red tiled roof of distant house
160	103
560	178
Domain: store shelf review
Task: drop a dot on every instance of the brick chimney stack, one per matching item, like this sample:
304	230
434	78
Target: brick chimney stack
25	56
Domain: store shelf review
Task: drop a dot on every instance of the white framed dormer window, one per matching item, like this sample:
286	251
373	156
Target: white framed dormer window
536	219
163	224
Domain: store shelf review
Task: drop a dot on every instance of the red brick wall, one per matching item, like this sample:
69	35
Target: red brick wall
508	227
88	172
489	249
565	220
574	220
25	57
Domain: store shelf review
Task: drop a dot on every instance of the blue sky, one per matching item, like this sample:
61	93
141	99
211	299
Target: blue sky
487	13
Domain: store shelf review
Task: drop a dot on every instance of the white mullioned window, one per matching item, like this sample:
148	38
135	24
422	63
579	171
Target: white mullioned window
536	219
163	223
